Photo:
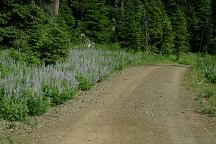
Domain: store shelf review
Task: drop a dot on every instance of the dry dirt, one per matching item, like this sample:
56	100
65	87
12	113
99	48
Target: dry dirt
143	105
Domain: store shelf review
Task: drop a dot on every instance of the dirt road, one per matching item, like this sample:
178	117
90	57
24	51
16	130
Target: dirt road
143	105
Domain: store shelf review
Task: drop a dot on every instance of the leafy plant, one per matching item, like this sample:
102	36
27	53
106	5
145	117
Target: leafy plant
31	89
56	95
13	110
37	106
84	83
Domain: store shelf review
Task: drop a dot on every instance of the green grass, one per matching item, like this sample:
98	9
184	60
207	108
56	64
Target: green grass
202	79
188	59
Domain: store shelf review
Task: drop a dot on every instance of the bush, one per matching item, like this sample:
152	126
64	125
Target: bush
58	96
13	110
84	83
211	76
36	105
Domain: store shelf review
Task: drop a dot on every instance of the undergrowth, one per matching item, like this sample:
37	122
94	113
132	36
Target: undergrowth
202	79
30	89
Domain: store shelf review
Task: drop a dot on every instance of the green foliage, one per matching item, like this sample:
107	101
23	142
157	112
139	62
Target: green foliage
25	56
209	66
16	19
209	93
58	96
187	59
4	70
212	42
203	84
37	106
32	31
152	58
199	21
129	32
159	28
67	15
84	83
181	34
92	19
13	110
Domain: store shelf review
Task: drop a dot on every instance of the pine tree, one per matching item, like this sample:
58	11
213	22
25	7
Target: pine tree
212	44
66	13
92	19
179	23
199	24
159	28
129	33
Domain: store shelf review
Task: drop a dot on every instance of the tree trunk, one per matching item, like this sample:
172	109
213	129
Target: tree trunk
56	7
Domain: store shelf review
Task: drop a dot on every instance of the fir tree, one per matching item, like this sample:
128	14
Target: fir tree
159	28
212	46
92	19
179	23
129	31
199	24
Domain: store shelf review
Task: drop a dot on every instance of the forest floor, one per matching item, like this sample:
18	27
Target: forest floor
142	105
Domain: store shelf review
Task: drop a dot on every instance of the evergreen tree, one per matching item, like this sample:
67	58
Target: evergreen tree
212	46
199	24
179	23
92	19
159	28
67	15
129	33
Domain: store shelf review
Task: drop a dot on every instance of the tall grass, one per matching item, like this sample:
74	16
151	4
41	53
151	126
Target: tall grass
202	77
209	68
31	89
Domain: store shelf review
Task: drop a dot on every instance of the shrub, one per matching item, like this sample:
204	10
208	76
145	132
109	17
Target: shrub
84	83
25	57
13	110
36	105
58	96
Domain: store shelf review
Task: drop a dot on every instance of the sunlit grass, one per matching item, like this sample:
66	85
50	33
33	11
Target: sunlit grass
202	78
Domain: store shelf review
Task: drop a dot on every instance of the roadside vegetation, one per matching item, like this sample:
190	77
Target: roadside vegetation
28	90
201	78
50	49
